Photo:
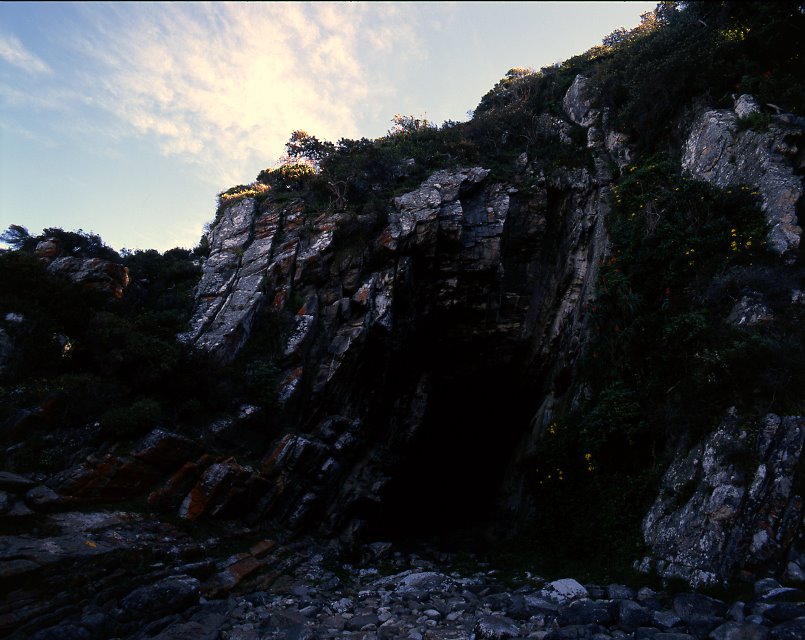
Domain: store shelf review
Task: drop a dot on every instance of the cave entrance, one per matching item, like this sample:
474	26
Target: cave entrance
450	480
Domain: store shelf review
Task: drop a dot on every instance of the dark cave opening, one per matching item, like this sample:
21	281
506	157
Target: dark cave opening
450	478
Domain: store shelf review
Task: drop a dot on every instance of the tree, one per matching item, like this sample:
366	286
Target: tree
303	146
17	237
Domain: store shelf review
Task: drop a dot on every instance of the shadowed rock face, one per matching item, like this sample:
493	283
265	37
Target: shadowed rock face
91	273
409	335
405	337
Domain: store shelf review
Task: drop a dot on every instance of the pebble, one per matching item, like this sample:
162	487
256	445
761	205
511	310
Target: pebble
411	598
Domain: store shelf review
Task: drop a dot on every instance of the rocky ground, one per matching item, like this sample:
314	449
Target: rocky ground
113	574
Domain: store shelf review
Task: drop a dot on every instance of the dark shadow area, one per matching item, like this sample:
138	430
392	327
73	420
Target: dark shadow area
451	474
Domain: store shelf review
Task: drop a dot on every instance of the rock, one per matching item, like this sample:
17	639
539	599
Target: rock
784	611
748	312
729	520
783	594
14	482
739	631
421	582
230	292
495	628
585	611
107	478
791	630
665	619
166	451
689	605
16	568
578	103
96	274
631	615
217	491
6	351
63	632
564	590
620	592
576	632
794	572
764	585
19	510
42	498
717	152
175	593
745	106
48	248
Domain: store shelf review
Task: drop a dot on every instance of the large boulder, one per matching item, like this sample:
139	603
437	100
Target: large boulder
728	507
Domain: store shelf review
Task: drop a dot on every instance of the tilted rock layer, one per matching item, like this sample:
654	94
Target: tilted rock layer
403	331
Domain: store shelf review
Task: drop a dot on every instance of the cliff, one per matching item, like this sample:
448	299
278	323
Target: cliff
432	352
572	324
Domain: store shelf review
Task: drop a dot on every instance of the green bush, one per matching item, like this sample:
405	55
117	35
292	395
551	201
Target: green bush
133	419
755	121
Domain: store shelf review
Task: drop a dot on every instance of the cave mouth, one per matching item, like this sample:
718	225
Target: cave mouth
448	484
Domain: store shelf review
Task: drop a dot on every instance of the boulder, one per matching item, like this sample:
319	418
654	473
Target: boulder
727	507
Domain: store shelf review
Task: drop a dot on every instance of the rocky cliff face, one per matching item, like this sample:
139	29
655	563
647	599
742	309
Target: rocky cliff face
405	337
473	288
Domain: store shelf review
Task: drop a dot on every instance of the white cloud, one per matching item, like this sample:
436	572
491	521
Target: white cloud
14	53
223	85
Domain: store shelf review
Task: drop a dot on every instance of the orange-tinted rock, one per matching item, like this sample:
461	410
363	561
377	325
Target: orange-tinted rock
220	484
165	450
243	565
260	549
93	273
108	478
169	496
48	249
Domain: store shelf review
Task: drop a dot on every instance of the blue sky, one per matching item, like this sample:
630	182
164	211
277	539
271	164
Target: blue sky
126	119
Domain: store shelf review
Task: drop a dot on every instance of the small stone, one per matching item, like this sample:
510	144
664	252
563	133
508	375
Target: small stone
631	615
14	482
665	619
785	611
794	572
169	595
19	510
495	628
43	498
739	631
737	612
565	589
791	630
620	592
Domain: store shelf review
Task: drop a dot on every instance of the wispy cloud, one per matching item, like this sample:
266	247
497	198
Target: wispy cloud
15	53
223	85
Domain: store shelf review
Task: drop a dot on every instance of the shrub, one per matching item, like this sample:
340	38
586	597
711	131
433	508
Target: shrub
130	420
755	121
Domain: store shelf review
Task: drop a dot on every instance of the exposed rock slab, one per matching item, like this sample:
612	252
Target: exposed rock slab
728	506
717	151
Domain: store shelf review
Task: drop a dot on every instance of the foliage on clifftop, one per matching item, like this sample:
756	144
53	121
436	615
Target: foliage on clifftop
681	55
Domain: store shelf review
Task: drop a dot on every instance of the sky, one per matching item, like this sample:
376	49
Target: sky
127	119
